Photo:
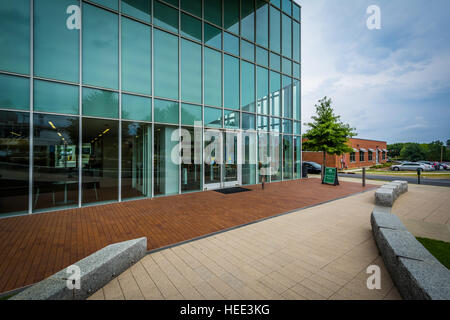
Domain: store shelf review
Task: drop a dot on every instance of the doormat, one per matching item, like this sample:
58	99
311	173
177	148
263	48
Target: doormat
232	190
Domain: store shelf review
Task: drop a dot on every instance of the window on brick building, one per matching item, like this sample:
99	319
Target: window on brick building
361	156
352	157
370	155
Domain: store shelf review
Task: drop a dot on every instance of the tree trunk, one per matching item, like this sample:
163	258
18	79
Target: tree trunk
324	164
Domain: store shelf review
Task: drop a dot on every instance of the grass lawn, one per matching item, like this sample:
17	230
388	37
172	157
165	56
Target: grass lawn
439	249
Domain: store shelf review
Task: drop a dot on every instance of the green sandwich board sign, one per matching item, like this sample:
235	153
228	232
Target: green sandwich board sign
330	176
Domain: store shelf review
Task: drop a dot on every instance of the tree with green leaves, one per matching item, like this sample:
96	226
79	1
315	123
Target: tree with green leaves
327	133
413	152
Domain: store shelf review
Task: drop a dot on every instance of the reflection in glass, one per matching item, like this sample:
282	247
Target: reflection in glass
212	36
136	107
55	46
287	157
231	82
248	158
275	62
275	94
191	71
296	70
100	160
275	124
166	64
136	57
276	144
14	161
287	126
287	66
136	159
140	9
248	86
15	92
262	56
247	50
213	156
287	36
190	114
213	117
297	157
55	163
296	41
100	47
231	15
15	36
287	6
297	101
213	77
275	29
287	97
100	103
248	121
262	23
55	97
296	11
262	90
113	4
166	111
263	123
165	17
192	6
191	169
248	20
213	11
166	175
263	156
191	27
231	119
231	43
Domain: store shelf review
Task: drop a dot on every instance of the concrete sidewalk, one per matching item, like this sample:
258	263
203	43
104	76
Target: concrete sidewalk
316	253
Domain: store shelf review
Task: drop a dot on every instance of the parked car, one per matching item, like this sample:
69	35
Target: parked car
313	167
411	166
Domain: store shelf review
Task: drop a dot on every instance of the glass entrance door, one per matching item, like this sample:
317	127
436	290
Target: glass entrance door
222	168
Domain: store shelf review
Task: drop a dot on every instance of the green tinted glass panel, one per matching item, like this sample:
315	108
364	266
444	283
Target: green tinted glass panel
100	103
15	36
213	36
297	157
296	12
100	47
191	71
288	150
172	2
287	126
213	117
113	4
247	50
275	94
297	127
231	16
262	56
192	6
287	36
262	23
275	62
231	82
230	43
287	97
165	64
55	46
165	16
275	124
213	11
296	70
213	77
297	100
262	89
14	92
136	57
248	86
287	66
166	111
263	123
248	19
190	114
275	29
191	27
140	9
287	6
166	174
276	3
231	119
248	121
136	108
296	41
55	97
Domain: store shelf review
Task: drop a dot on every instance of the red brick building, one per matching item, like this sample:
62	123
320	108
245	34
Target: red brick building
366	153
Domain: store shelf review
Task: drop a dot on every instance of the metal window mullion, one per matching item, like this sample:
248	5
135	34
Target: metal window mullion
119	16
31	125
203	100
179	100
152	156
80	110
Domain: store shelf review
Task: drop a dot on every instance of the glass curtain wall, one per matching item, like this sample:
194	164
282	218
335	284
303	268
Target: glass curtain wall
117	78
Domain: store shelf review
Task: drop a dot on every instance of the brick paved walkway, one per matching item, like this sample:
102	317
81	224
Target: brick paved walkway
36	246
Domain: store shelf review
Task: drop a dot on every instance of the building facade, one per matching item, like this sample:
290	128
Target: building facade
97	96
366	153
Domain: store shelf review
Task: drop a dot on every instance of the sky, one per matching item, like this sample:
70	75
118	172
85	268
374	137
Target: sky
391	84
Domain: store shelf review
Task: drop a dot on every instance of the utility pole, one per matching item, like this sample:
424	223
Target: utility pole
442	152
